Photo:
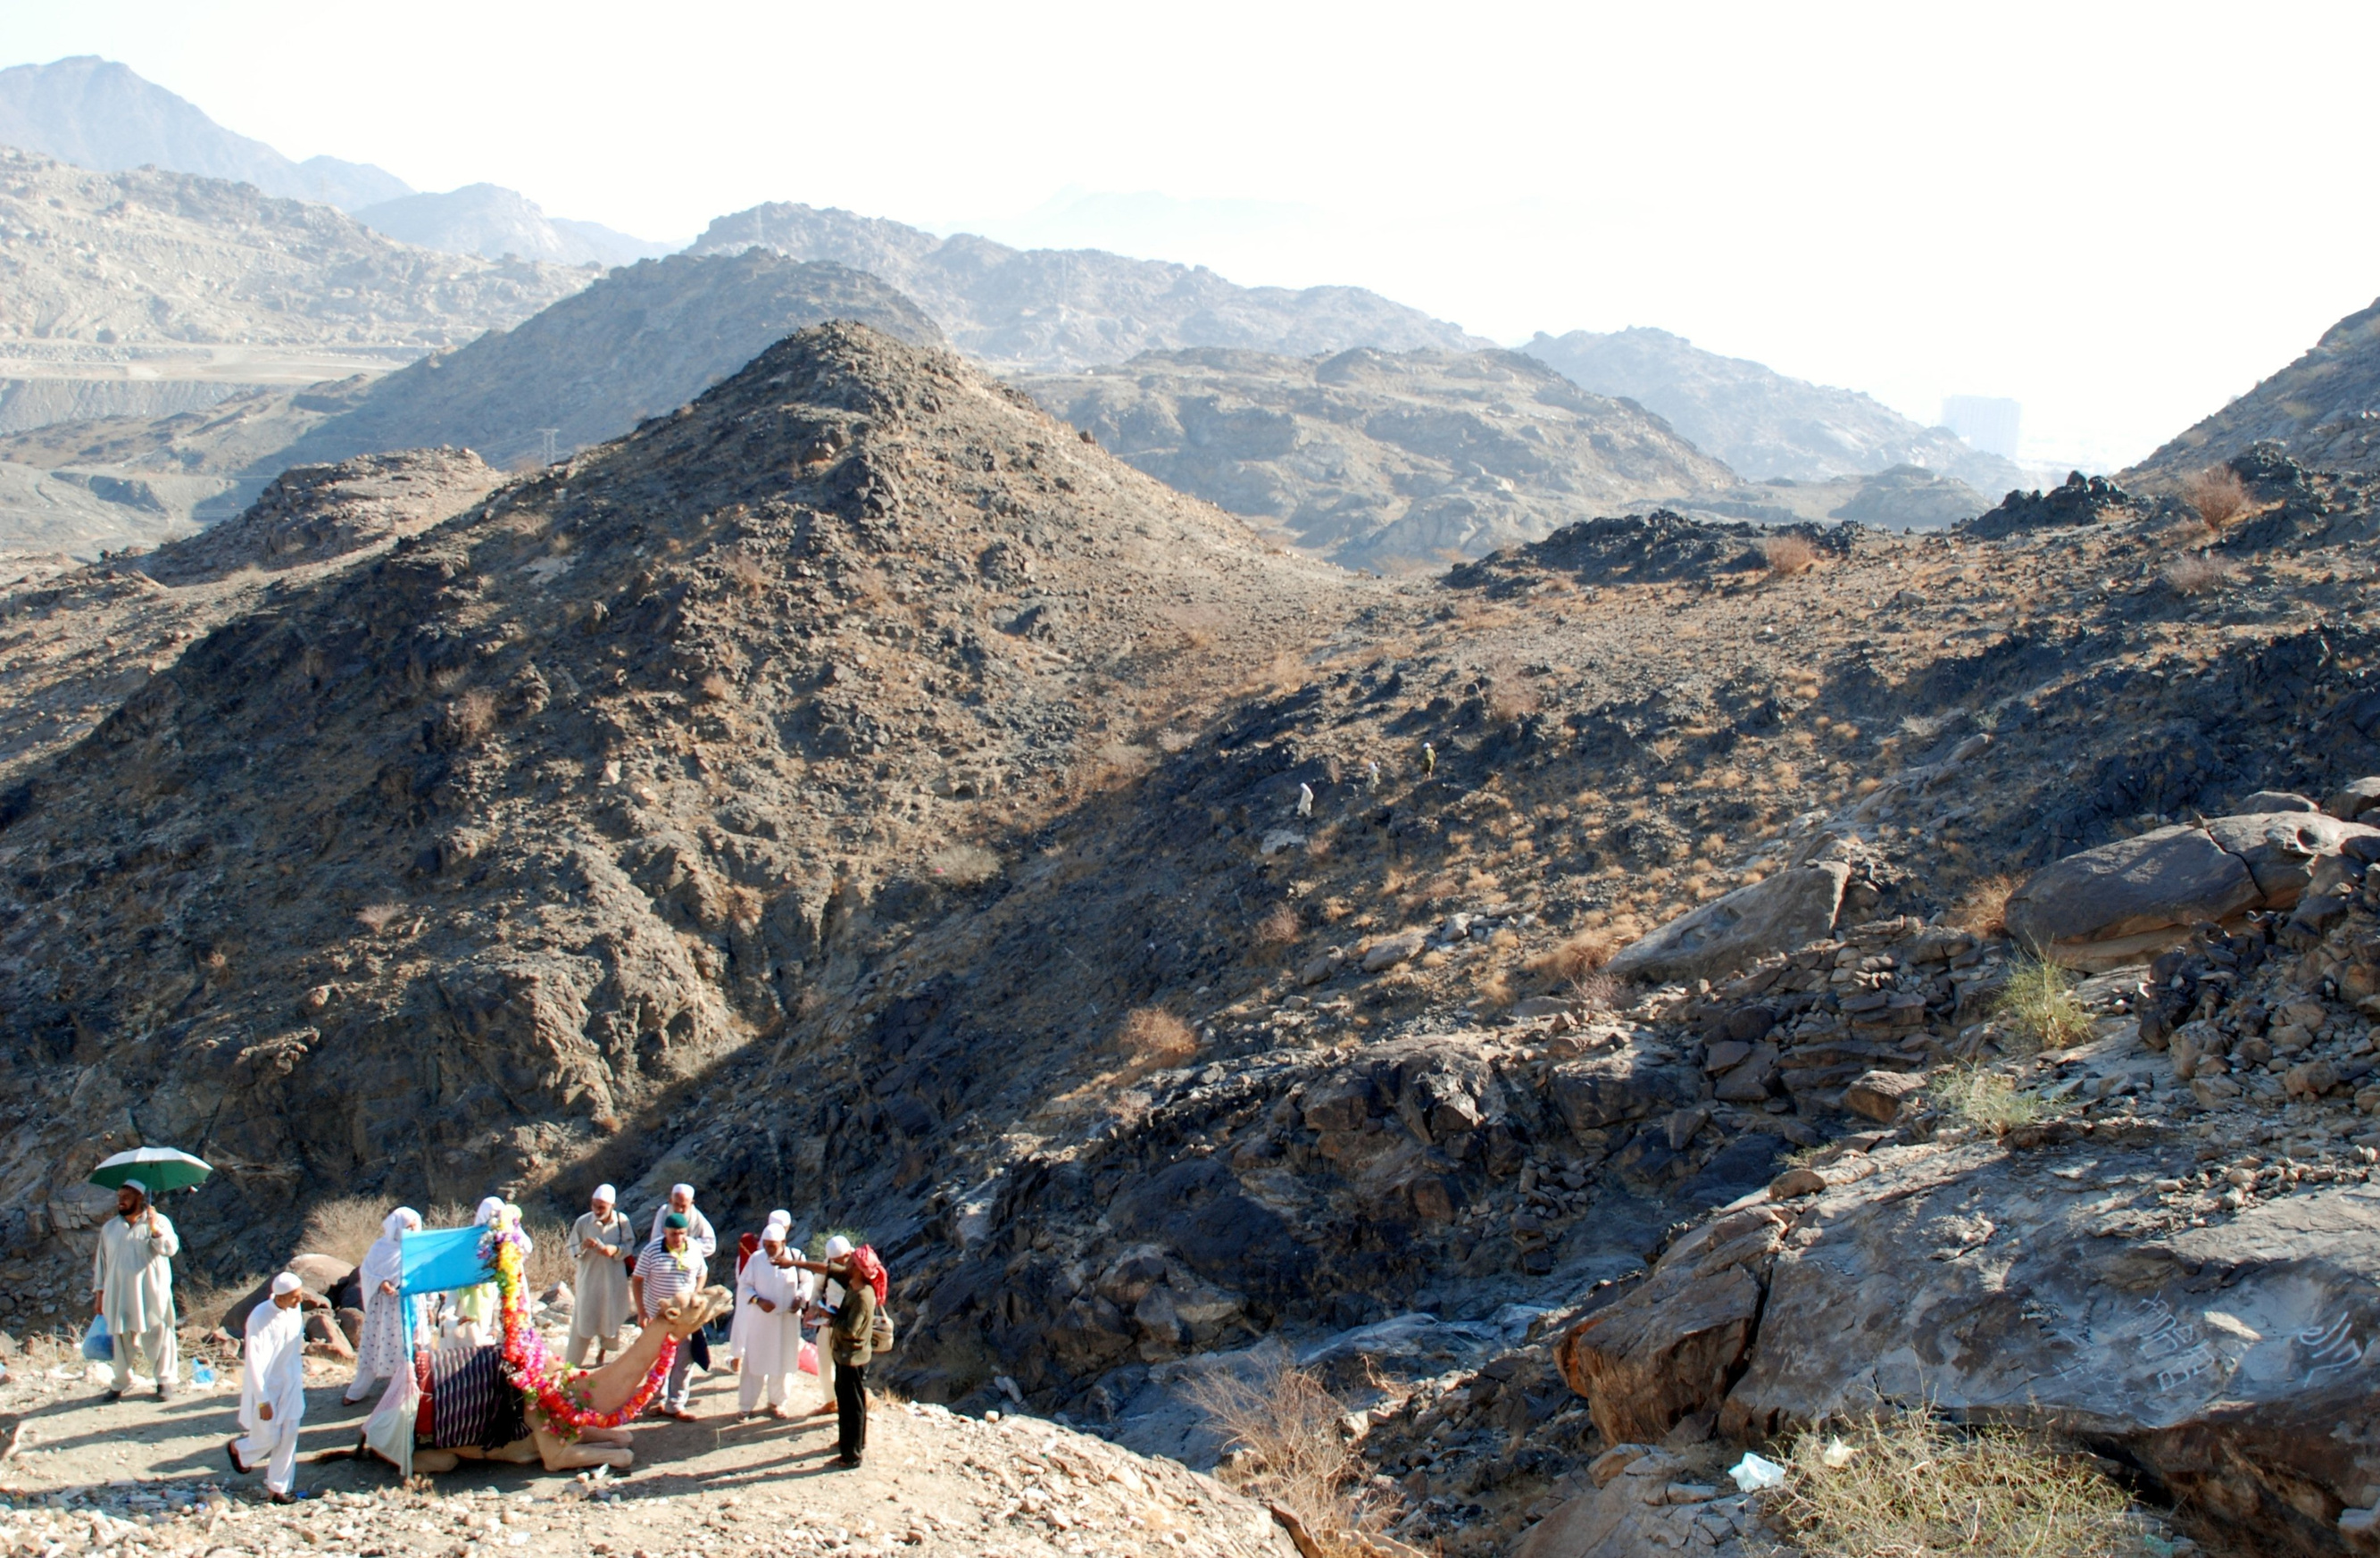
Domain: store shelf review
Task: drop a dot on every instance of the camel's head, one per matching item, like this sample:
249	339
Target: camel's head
696	1310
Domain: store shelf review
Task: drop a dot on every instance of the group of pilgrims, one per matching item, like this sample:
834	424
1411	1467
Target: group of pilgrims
793	1316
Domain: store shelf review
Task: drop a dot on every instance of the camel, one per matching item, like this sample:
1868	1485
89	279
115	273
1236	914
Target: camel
609	1387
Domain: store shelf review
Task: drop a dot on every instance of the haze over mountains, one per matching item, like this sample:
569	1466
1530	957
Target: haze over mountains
490	220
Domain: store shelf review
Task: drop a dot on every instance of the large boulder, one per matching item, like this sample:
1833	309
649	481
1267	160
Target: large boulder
1646	1501
1776	914
2122	902
2228	1361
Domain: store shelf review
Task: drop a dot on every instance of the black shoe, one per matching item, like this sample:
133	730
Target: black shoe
231	1450
164	1395
848	1462
111	1396
293	1496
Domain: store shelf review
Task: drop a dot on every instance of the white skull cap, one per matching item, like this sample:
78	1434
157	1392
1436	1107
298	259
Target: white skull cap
285	1282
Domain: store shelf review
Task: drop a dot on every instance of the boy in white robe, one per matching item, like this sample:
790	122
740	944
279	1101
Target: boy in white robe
132	1289
770	1298
273	1390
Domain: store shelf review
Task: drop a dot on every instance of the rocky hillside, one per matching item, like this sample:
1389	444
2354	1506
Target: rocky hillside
97	114
1379	457
1055	310
2324	409
490	220
1758	421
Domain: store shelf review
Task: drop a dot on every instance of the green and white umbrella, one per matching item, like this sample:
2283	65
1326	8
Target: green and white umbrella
159	1168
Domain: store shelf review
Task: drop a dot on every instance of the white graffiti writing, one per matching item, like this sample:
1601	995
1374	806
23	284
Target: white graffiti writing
2330	1349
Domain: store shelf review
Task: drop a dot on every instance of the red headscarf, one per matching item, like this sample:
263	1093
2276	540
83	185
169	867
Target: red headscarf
744	1249
866	1267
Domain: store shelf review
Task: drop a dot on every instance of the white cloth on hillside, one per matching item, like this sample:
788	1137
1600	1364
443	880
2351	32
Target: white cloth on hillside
132	1270
773	1339
387	1316
274	1373
599	1300
698	1230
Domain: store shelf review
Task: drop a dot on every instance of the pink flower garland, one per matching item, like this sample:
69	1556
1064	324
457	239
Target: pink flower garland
554	1390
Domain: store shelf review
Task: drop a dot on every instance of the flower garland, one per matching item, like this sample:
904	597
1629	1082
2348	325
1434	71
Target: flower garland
556	1390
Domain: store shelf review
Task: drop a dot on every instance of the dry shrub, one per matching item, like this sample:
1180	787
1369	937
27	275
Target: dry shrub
1152	1036
2196	575
1279	928
1908	1486
965	865
1579	954
1117	765
2217	493
1985	1098
343	1227
1508	694
1984	911
470	717
716	688
1288	1450
1787	554
1199	626
376	917
2039	1006
745	572
1596	992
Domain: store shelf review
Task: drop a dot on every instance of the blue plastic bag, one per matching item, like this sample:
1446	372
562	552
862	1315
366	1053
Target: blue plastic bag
97	1344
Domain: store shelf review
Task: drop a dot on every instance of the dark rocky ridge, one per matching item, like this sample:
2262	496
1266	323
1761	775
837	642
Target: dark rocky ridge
1055	310
2322	409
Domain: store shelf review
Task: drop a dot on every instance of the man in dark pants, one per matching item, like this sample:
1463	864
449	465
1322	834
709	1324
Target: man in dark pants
850	1339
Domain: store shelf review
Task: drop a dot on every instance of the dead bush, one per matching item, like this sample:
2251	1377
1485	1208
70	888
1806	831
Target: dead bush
470	719
1287	1449
1984	911
1508	692
1575	957
744	572
376	917
2196	575
1787	554
2217	493
1908	1486
1279	928
343	1227
1152	1038
1596	992
716	688
964	865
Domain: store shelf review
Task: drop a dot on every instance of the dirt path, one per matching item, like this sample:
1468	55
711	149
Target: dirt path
147	1477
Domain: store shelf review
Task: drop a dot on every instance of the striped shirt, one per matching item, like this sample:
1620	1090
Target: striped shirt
666	1281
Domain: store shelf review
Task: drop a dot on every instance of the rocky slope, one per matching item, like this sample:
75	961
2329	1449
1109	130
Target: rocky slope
97	114
2324	409
1375	458
1758	421
1055	310
490	220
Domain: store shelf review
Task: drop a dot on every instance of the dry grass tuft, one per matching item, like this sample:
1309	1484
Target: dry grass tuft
1984	911
1578	956
376	917
2217	493
1153	1038
965	865
1289	1451
2196	574
1510	695
471	717
1906	1486
1596	992
2039	1006
1787	554
343	1227
745	572
1279	928
1985	1100
716	688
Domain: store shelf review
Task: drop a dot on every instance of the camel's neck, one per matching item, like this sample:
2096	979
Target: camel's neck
615	1384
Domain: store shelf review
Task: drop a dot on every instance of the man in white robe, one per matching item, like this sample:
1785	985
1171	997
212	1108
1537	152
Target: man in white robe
604	1243
387	1316
769	1299
132	1289
698	1227
273	1390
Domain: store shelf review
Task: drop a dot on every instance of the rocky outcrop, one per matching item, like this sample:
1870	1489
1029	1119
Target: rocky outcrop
2320	408
2079	500
1776	914
311	514
2122	902
1650	1500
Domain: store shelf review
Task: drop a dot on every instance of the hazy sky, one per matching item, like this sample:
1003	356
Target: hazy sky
2121	215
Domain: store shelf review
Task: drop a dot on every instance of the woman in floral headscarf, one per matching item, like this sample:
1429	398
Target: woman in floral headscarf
387	1316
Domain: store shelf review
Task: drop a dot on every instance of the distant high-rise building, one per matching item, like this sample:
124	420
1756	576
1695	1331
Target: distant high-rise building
1985	422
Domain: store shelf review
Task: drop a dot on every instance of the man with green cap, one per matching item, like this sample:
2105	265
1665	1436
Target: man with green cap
132	1289
669	1269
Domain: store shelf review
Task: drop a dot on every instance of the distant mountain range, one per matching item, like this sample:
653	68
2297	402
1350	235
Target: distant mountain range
97	114
1759	420
1378	457
1056	310
488	219
2324	407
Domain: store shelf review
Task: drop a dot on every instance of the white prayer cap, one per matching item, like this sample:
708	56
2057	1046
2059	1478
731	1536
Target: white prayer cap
686	1190
782	1215
837	1248
488	1209
136	1186
285	1282
605	1193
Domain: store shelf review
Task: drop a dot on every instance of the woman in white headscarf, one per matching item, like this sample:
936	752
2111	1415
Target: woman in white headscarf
475	1308
830	1299
387	1316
